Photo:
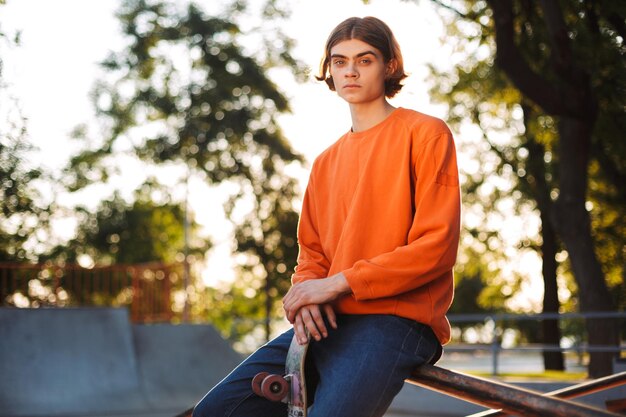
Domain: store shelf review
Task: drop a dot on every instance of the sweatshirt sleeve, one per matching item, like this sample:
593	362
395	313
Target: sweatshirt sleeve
433	237
312	263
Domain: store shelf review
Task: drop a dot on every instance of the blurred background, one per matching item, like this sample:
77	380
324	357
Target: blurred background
154	154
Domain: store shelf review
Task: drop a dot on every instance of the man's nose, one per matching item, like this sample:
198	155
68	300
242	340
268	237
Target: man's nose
351	70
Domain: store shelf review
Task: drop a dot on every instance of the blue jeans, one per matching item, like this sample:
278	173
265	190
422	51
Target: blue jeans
355	372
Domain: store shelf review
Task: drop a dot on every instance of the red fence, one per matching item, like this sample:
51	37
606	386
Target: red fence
146	289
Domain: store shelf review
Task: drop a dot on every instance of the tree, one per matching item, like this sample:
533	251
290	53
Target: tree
24	215
23	211
566	62
187	91
119	232
268	236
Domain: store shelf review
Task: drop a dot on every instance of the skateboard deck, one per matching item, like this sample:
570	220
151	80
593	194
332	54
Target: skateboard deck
289	388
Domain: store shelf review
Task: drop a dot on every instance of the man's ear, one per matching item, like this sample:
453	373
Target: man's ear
392	66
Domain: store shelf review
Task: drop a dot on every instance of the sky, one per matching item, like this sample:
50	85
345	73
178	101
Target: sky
55	66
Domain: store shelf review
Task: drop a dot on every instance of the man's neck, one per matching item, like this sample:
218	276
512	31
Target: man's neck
367	115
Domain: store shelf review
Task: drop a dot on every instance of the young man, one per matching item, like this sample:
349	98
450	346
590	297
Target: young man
378	237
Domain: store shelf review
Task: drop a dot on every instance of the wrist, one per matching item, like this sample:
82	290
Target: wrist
340	284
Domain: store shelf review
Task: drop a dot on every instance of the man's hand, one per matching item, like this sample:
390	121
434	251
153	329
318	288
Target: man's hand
314	291
311	318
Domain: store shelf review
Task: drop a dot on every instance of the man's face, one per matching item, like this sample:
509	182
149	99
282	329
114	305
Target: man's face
358	71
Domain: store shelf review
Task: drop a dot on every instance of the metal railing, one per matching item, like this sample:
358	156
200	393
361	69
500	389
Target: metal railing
494	322
574	391
146	289
508	399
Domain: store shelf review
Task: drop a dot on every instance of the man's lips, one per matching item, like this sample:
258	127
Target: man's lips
351	86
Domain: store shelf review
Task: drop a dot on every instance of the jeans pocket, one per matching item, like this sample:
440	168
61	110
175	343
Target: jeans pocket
421	342
429	348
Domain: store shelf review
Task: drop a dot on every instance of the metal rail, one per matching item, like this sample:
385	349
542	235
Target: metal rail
501	396
146	289
496	321
573	391
482	317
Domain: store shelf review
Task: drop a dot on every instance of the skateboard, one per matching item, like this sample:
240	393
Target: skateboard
289	388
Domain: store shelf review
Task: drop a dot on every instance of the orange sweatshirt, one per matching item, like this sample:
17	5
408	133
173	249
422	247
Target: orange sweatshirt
383	206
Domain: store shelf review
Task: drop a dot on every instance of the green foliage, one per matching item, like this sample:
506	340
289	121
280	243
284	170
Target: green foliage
24	216
516	159
267	238
119	232
267	250
198	98
17	197
236	309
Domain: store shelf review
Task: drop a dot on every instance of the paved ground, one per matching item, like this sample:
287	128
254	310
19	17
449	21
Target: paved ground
93	362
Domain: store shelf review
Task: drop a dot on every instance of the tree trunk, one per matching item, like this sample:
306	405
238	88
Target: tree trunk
550	328
540	190
572	221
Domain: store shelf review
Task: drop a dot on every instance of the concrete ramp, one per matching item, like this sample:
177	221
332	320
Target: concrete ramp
66	361
178	364
93	362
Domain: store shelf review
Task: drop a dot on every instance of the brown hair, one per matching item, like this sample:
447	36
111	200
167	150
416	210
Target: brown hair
374	32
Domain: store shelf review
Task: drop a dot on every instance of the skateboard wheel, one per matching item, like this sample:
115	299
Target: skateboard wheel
256	383
274	387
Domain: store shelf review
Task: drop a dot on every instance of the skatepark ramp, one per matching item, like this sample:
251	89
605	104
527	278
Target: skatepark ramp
94	362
